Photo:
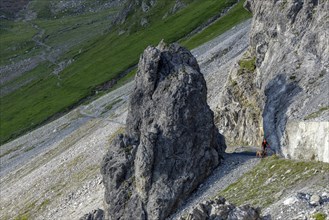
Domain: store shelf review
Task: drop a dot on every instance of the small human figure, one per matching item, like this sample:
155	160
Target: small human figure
264	146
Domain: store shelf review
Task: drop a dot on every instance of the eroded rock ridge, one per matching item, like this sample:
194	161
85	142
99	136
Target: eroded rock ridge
170	144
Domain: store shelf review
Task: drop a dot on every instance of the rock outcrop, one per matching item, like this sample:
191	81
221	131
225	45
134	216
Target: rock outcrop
239	110
170	144
219	208
94	215
311	147
289	49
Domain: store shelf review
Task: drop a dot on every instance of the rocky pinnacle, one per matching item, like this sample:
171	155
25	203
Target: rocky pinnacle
170	144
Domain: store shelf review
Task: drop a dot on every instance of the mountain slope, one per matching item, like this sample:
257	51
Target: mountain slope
57	165
279	89
65	77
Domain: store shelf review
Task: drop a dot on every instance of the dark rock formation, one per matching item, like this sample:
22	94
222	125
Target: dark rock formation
94	215
219	209
288	87
171	143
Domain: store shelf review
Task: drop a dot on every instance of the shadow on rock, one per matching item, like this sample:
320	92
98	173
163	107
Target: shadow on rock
279	96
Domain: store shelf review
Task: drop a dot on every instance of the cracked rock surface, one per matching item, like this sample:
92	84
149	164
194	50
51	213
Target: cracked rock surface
170	144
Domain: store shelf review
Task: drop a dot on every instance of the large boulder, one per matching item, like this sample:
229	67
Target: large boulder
171	143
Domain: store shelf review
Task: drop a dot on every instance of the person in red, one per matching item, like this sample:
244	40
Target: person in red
264	146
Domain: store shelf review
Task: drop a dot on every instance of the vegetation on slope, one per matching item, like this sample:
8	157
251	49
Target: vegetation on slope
13	44
102	58
267	182
236	15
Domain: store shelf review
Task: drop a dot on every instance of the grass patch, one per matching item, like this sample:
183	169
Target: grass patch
44	204
235	16
247	64
42	8
265	184
317	113
43	70
25	213
319	216
75	29
102	59
30	208
22	217
14	44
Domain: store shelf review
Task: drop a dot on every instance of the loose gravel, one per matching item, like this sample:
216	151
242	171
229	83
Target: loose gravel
231	169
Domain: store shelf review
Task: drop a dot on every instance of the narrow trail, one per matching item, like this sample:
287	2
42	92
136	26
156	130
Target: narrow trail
232	168
97	116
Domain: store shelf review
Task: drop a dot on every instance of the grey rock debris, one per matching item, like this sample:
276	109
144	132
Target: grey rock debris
220	209
94	215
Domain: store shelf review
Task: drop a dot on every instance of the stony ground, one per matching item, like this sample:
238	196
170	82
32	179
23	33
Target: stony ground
232	168
53	172
283	189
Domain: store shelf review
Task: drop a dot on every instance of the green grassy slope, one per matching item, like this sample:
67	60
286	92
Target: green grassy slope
13	44
236	15
103	58
266	183
66	29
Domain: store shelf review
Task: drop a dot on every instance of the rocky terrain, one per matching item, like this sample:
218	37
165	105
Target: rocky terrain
81	138
53	172
170	144
221	209
279	87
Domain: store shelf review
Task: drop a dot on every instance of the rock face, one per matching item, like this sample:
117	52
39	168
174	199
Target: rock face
94	215
238	114
171	143
221	209
290	50
312	147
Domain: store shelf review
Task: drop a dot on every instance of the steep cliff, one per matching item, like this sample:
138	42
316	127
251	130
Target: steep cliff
170	144
286	80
